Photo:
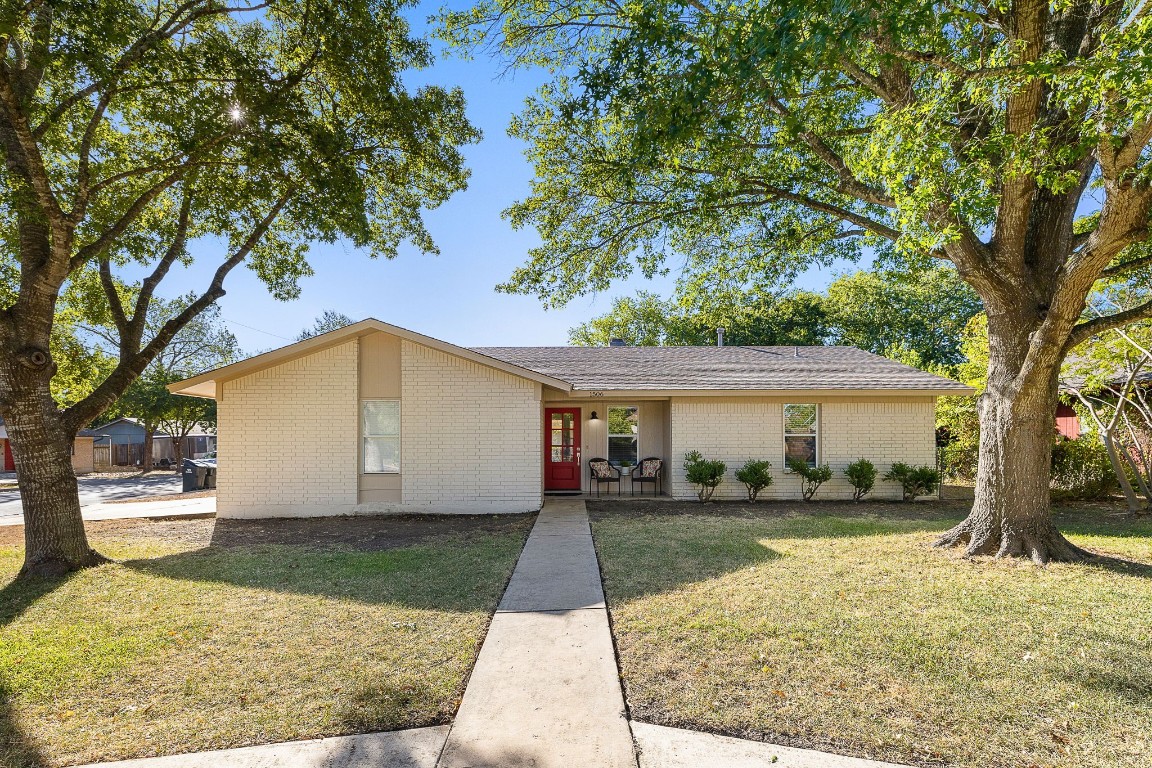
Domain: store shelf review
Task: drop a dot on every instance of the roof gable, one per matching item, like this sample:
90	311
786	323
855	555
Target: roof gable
204	385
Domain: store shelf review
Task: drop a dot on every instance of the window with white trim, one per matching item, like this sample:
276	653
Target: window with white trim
380	435
623	430
801	422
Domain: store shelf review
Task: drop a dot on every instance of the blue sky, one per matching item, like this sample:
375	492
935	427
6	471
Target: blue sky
452	296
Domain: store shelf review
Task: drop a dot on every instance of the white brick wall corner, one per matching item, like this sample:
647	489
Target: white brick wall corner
288	436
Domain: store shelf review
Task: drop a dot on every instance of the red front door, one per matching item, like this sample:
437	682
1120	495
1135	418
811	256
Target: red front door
561	449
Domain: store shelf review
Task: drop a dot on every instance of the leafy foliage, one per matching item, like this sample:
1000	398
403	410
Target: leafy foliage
1081	469
811	478
921	315
756	476
331	320
915	481
136	131
705	474
648	320
862	474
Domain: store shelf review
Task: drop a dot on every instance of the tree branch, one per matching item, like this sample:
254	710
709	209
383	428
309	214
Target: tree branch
133	361
105	240
1098	325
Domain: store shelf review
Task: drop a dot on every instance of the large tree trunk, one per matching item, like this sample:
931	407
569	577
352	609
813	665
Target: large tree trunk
1011	515
54	537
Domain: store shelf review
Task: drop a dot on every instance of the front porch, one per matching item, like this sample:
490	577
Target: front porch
623	432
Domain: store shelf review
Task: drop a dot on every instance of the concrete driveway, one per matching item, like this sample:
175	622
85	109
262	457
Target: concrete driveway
96	490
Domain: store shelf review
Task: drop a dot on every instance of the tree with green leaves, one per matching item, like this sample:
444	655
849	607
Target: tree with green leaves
916	317
920	314
137	136
331	320
752	140
647	320
203	344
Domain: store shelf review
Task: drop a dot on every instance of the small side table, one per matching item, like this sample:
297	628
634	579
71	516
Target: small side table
626	473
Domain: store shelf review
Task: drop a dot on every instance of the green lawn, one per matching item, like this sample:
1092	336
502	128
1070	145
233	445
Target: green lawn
836	627
182	646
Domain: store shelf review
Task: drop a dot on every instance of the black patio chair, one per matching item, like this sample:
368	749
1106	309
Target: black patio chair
600	471
649	470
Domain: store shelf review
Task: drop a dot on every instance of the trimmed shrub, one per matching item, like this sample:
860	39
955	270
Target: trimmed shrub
862	474
1081	469
756	476
703	473
916	481
811	478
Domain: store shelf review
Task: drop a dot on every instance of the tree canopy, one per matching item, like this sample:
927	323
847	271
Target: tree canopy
140	136
330	320
918	317
132	130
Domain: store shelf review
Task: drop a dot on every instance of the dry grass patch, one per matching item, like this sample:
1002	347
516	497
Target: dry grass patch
181	646
844	631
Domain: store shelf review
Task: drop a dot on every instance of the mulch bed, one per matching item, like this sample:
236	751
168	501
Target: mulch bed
920	510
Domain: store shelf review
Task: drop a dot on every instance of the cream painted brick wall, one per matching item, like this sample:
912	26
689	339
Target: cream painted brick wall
288	438
737	429
471	436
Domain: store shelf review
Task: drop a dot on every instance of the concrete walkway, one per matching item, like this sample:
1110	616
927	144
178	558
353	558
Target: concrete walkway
414	748
545	691
662	747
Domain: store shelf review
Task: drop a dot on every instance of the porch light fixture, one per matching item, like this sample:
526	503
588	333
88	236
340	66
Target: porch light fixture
594	416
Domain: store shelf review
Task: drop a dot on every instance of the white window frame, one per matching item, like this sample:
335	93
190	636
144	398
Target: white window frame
608	434
785	433
365	436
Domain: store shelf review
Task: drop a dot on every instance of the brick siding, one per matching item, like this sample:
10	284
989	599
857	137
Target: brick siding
471	436
737	429
288	438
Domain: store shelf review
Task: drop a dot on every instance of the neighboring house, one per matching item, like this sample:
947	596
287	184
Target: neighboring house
82	453
401	422
120	443
1067	421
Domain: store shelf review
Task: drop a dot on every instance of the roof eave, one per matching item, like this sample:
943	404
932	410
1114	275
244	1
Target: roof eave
205	384
604	392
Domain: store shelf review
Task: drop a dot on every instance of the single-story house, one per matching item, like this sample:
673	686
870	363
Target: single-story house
120	443
81	451
402	422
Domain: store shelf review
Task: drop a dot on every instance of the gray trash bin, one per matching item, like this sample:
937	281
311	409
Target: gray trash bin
192	475
199	474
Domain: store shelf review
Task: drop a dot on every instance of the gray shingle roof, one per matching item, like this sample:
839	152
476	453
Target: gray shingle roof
728	368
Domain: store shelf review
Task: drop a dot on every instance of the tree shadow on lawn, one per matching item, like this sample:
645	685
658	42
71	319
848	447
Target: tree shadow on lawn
17	749
451	565
671	559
